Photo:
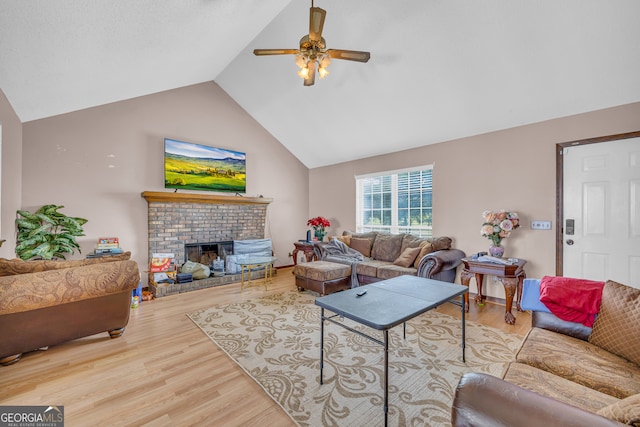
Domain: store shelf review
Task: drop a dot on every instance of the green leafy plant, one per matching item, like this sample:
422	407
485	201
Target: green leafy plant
47	233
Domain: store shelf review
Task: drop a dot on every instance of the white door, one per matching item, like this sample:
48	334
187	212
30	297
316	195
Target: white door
602	205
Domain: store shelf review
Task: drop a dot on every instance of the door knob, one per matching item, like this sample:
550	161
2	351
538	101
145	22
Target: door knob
569	242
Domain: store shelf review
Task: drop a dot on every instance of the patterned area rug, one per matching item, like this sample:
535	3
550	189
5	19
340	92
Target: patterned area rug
276	339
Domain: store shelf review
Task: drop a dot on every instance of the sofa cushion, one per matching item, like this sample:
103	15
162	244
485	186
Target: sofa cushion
386	247
626	411
346	239
411	241
389	270
616	327
425	248
441	243
361	245
369	267
322	271
10	267
407	257
580	361
556	387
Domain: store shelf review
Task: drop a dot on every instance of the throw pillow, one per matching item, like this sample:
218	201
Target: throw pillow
345	239
425	248
626	411
441	243
407	257
616	327
361	245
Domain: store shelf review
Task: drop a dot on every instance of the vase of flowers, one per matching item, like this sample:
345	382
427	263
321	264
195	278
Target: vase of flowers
498	226
319	224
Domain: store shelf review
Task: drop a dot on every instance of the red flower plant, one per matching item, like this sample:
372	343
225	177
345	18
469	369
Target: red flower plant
319	222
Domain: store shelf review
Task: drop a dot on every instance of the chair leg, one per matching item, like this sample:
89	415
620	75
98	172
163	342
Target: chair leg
115	333
10	360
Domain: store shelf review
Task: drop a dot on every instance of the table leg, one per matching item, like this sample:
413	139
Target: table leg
510	284
463	328
295	256
479	281
321	342
519	291
465	278
386	376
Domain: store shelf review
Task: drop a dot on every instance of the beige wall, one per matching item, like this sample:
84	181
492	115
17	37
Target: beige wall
11	175
512	169
67	158
67	161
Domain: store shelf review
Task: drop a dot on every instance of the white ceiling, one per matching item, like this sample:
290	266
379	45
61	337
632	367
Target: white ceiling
439	69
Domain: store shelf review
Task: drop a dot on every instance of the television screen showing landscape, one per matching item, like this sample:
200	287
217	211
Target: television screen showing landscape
189	166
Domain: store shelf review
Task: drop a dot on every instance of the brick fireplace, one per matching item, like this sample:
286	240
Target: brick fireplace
176	219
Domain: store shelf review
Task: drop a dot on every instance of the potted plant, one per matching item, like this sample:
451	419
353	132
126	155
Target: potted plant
47	233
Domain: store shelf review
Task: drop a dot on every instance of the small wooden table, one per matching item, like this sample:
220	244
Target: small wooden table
306	248
511	277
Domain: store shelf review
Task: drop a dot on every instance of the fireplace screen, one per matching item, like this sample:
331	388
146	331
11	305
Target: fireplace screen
206	253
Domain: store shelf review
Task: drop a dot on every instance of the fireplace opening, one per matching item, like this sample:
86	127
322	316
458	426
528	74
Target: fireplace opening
206	253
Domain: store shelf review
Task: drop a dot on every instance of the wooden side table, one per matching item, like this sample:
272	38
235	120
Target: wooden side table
511	277
307	249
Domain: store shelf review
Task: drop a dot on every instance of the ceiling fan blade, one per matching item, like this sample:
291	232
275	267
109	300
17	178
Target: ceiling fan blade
316	22
349	55
260	52
309	81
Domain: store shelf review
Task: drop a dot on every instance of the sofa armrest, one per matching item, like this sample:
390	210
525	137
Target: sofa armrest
440	265
24	292
484	400
551	322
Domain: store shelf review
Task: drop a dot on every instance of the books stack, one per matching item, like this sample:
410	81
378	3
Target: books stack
108	245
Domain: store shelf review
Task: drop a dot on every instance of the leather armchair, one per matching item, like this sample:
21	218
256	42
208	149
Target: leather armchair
485	400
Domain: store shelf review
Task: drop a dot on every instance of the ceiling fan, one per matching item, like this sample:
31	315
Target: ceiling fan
313	52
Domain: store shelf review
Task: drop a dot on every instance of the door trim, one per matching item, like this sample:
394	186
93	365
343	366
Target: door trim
560	185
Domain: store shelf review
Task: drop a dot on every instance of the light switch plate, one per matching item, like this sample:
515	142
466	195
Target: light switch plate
541	225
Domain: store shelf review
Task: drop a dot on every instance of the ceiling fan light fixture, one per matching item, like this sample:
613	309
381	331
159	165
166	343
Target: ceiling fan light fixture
313	54
301	61
304	72
323	72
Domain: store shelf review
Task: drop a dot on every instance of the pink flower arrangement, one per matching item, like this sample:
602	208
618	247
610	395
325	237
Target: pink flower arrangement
499	225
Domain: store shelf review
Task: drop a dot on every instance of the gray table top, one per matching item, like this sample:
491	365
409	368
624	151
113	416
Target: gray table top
391	302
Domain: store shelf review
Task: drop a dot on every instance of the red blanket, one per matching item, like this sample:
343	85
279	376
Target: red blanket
573	300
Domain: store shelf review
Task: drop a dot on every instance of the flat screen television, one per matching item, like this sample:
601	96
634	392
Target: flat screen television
189	166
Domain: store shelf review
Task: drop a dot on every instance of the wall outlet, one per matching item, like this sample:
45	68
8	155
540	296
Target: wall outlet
541	225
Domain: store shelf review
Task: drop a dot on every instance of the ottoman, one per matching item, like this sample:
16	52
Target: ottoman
323	277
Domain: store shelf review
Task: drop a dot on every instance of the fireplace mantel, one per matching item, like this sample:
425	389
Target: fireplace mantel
172	197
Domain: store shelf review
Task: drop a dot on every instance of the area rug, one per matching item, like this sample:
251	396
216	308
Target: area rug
275	339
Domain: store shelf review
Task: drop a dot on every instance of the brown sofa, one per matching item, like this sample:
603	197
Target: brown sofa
435	259
564	374
385	256
44	303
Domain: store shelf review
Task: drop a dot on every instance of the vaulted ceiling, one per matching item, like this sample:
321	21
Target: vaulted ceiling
439	69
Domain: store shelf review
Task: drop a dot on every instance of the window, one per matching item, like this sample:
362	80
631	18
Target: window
395	202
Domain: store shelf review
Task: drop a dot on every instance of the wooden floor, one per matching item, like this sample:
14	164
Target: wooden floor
164	371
